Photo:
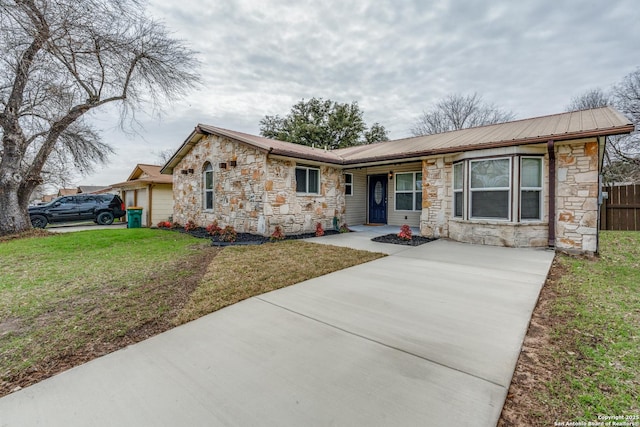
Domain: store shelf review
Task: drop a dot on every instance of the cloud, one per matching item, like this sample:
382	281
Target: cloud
394	58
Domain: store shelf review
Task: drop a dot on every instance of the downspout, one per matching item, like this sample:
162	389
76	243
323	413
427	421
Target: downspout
552	193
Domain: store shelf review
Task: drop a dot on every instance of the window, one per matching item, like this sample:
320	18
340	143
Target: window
208	186
307	180
348	184
531	188
490	188
408	191
458	187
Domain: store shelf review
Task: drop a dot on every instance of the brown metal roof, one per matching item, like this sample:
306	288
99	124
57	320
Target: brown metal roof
565	126
153	176
578	124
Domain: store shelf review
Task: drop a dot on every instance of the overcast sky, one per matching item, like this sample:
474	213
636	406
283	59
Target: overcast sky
394	57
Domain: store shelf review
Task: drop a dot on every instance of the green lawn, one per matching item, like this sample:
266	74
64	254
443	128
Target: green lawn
67	298
596	337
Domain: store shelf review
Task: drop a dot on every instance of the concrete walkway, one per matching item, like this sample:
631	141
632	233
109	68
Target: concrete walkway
427	336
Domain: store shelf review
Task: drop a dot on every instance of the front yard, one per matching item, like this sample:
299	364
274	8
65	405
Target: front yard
68	298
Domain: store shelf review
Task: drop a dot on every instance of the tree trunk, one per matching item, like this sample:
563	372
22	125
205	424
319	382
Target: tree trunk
14	215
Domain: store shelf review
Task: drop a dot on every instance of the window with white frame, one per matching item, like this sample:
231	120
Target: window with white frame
348	184
408	191
458	190
530	188
490	188
307	180
208	186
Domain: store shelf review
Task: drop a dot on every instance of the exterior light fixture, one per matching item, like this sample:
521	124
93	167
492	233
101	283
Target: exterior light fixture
390	174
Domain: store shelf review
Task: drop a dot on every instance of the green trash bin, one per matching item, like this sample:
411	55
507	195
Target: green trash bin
134	217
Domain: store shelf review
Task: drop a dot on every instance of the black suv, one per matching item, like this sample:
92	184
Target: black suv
101	208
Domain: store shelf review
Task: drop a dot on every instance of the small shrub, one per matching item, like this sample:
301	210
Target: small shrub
175	224
213	229
319	230
277	234
405	232
190	226
344	228
164	224
229	234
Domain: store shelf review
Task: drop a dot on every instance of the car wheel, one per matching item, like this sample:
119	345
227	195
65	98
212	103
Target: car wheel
105	218
38	221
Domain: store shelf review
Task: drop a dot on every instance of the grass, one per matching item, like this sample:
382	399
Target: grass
244	271
67	298
596	334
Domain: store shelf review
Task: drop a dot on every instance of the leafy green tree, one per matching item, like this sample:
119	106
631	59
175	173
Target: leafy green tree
323	123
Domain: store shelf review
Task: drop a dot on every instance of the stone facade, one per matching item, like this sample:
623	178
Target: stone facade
576	204
257	194
577	197
437	194
497	233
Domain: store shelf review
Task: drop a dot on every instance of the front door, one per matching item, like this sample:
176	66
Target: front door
378	199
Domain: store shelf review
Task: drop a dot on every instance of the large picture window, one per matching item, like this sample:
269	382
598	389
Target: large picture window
208	186
408	191
307	180
490	188
531	188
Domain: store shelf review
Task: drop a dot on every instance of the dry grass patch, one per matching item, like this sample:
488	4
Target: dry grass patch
241	272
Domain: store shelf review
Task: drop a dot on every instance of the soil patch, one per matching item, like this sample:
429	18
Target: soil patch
394	239
535	365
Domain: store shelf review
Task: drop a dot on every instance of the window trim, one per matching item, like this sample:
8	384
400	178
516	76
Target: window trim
460	190
509	190
413	191
307	169
348	185
539	189
207	169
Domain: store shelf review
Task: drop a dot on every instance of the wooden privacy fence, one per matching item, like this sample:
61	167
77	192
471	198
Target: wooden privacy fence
621	211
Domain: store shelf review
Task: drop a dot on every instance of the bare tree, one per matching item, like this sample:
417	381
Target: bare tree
61	59
164	156
622	155
593	98
456	112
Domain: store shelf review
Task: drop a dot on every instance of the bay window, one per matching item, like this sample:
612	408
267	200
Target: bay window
501	188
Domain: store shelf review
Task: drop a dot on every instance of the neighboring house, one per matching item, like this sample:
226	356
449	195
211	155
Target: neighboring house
495	185
67	192
147	188
93	189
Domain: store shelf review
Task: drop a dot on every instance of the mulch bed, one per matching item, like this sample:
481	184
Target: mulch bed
394	239
245	238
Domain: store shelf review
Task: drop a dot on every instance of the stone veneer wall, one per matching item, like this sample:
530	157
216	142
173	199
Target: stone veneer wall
437	194
577	197
496	233
576	205
256	195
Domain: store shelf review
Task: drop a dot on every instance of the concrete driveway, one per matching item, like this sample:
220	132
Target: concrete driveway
427	336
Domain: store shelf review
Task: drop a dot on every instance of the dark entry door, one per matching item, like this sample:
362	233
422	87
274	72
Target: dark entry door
378	199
